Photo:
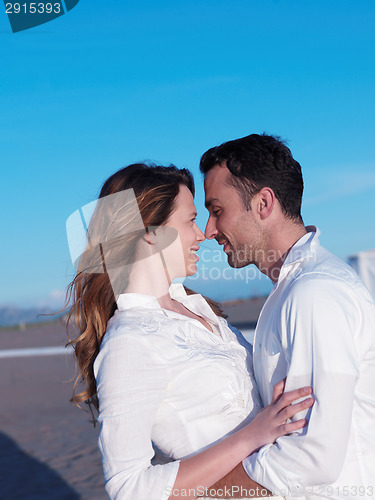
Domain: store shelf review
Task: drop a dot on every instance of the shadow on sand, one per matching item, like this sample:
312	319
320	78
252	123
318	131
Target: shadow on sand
24	477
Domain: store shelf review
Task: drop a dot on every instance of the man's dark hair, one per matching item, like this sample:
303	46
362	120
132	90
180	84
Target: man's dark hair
258	161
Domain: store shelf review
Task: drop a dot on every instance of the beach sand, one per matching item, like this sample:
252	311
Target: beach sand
48	445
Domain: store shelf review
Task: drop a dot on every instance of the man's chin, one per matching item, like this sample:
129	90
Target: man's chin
235	263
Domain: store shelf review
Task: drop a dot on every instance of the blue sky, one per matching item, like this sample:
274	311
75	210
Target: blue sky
115	82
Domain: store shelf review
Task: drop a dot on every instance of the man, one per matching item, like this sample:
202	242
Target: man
317	327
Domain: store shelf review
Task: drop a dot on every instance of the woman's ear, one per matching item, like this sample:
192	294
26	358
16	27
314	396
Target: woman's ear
150	236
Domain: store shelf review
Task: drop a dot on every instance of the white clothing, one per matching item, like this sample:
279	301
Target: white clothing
164	379
318	328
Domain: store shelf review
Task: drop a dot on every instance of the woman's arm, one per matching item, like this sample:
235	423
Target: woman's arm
132	381
206	468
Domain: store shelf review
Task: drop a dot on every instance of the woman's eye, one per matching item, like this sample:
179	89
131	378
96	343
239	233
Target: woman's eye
216	212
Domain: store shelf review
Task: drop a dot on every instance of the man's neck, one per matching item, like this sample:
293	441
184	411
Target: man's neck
279	248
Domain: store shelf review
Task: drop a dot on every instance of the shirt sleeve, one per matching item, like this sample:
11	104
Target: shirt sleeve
131	383
318	323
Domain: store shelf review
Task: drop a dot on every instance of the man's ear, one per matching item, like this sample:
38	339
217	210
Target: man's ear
265	202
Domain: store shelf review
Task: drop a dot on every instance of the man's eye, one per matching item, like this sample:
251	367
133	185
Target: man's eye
216	212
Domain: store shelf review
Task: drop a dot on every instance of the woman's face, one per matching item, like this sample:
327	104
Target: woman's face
190	236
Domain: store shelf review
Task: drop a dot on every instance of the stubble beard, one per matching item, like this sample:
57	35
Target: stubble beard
240	257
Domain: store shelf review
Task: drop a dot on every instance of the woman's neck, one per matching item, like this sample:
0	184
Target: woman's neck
148	277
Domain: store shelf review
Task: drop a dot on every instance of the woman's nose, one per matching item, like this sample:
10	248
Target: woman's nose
200	234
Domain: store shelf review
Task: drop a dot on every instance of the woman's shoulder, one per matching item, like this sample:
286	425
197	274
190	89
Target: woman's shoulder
131	337
140	325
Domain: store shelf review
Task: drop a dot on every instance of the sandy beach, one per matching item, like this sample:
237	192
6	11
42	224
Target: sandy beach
48	445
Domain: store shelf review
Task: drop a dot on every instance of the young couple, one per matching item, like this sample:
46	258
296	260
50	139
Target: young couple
173	380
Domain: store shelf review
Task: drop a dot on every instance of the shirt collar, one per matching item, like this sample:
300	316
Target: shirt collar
132	300
195	303
303	249
177	291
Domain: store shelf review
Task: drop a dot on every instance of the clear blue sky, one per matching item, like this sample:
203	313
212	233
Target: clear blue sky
115	82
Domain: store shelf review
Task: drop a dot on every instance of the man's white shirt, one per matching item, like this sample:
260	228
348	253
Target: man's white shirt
318	328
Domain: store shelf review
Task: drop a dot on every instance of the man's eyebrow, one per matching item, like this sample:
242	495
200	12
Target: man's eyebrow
209	202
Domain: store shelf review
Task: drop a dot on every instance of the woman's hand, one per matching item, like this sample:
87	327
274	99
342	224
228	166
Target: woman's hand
271	421
278	390
215	462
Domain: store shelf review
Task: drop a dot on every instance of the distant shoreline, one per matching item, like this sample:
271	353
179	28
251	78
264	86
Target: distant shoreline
242	313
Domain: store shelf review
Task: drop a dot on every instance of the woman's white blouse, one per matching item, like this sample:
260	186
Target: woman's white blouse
166	383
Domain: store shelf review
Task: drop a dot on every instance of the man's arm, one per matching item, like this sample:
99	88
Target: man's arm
317	325
237	484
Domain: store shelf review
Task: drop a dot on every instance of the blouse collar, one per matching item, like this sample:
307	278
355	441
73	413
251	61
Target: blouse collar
194	302
132	300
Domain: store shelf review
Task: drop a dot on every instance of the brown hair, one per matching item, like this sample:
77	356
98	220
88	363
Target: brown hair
257	161
91	291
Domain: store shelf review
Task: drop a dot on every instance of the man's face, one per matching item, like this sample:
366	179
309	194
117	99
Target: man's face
229	222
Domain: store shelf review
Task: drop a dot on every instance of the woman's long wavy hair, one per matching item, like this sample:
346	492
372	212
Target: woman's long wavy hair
91	291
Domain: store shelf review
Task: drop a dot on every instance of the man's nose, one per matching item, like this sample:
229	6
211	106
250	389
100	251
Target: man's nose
210	231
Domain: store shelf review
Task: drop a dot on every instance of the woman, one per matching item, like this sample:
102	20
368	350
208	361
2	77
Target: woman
167	370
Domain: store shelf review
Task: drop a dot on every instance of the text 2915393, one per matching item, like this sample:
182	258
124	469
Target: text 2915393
32	8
